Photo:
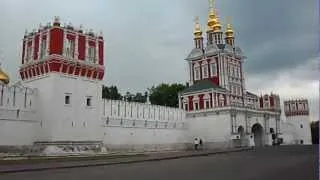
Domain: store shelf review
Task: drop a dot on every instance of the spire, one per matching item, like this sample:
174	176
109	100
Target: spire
197	28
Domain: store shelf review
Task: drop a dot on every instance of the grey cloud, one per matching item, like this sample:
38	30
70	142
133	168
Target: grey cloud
147	41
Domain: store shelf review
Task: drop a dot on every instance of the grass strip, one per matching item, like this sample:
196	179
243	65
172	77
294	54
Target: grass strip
35	160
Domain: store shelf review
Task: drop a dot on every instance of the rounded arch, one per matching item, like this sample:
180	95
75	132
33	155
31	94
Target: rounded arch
258	134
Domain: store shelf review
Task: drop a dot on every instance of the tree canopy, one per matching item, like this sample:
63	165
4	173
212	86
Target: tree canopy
163	94
166	94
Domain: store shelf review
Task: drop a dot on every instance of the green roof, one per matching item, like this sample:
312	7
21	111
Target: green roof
202	85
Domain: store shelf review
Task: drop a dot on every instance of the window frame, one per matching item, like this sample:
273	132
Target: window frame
70	48
92	54
89	99
197	72
213	71
67	99
43	48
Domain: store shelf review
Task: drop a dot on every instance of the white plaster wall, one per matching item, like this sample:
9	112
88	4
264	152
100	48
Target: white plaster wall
299	133
241	120
139	126
15	132
120	135
213	128
74	122
19	124
288	133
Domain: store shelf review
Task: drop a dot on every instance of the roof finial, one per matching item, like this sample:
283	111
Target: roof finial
56	21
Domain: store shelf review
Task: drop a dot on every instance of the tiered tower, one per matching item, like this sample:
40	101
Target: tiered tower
297	116
215	71
67	65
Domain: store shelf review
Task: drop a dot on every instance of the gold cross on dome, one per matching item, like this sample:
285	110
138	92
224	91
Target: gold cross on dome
196	19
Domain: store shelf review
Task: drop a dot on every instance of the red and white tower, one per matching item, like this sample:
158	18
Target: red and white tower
66	65
65	50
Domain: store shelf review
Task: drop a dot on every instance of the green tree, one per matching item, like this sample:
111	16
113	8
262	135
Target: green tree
139	98
128	97
166	94
111	93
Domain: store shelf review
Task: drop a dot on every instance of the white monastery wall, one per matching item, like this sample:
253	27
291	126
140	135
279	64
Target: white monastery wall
141	127
214	129
19	123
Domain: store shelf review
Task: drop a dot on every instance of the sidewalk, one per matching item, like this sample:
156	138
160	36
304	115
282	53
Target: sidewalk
13	168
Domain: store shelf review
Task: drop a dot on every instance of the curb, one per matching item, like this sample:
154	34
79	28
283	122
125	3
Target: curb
120	162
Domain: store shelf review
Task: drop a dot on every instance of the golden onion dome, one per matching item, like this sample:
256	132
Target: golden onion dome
229	30
197	29
213	20
217	27
4	78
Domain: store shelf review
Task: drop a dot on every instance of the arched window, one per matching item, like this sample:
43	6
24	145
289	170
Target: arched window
197	72
195	103
213	69
205	69
185	103
206	101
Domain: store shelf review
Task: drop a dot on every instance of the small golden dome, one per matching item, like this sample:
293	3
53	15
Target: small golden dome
4	78
197	29
229	30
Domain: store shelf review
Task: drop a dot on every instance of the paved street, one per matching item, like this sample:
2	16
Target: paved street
283	163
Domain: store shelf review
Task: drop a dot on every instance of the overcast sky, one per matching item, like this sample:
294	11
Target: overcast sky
147	41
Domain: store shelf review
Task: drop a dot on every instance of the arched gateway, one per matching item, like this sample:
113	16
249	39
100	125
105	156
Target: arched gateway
258	135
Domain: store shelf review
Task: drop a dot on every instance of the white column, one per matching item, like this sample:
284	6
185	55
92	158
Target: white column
217	99
76	52
48	44
40	42
97	51
64	42
86	49
179	101
219	67
212	99
25	51
191	73
32	49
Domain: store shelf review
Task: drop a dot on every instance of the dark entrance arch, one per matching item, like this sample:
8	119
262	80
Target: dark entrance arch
257	131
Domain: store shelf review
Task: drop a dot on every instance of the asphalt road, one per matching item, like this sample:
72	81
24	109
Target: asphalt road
281	163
